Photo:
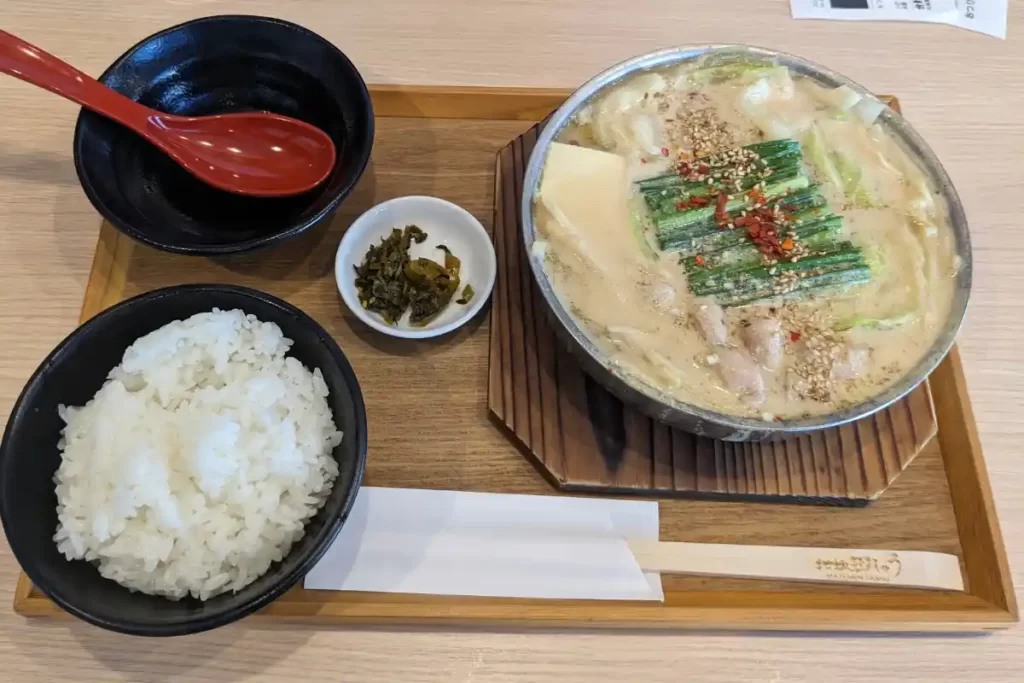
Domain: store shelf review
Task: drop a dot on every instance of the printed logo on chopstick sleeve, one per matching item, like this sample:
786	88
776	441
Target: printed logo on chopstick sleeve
860	568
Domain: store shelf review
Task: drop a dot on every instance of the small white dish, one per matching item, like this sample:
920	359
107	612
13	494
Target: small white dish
445	223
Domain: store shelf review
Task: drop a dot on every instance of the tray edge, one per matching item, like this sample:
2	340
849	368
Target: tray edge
985	564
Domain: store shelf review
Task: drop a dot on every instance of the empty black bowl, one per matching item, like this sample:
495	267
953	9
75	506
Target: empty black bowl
72	374
214	66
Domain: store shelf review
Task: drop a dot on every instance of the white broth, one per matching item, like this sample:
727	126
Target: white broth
782	322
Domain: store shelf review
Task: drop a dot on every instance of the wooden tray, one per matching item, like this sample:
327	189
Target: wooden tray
443	141
586	439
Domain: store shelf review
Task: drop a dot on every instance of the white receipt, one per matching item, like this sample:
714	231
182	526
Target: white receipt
487	544
983	16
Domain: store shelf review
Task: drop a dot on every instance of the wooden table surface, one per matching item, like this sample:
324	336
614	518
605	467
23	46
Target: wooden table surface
964	92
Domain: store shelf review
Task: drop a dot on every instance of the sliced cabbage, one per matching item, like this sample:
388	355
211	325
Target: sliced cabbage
776	84
665	372
632	94
585	116
775	128
852	178
564	230
885	164
922	202
628	134
927	228
836	168
868	109
819	158
755	95
646	133
743	72
913	269
888	323
624	334
874	259
539	249
640	221
842	98
649	84
621	121
846	99
757	101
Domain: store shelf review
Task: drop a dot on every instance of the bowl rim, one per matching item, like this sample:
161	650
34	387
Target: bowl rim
688	415
127	228
356	230
330	532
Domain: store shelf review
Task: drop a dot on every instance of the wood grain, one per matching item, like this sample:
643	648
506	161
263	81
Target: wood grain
465	451
965	93
609	447
454	102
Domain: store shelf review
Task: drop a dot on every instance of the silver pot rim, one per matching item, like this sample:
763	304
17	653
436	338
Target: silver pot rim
688	416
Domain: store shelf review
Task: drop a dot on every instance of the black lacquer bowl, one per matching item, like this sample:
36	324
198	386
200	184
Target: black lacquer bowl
72	374
218	65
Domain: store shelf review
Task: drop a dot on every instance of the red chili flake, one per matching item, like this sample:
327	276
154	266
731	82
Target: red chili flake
699	201
794	337
643	161
699	259
664	151
720	214
761	222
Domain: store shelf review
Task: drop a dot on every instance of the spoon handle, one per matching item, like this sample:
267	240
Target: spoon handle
29	63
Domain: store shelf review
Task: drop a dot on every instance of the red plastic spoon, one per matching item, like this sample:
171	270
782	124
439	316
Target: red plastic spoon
252	153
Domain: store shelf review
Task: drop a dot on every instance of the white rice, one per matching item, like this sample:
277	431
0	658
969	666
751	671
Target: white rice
199	461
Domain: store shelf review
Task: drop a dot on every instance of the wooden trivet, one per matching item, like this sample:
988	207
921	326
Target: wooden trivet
587	440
